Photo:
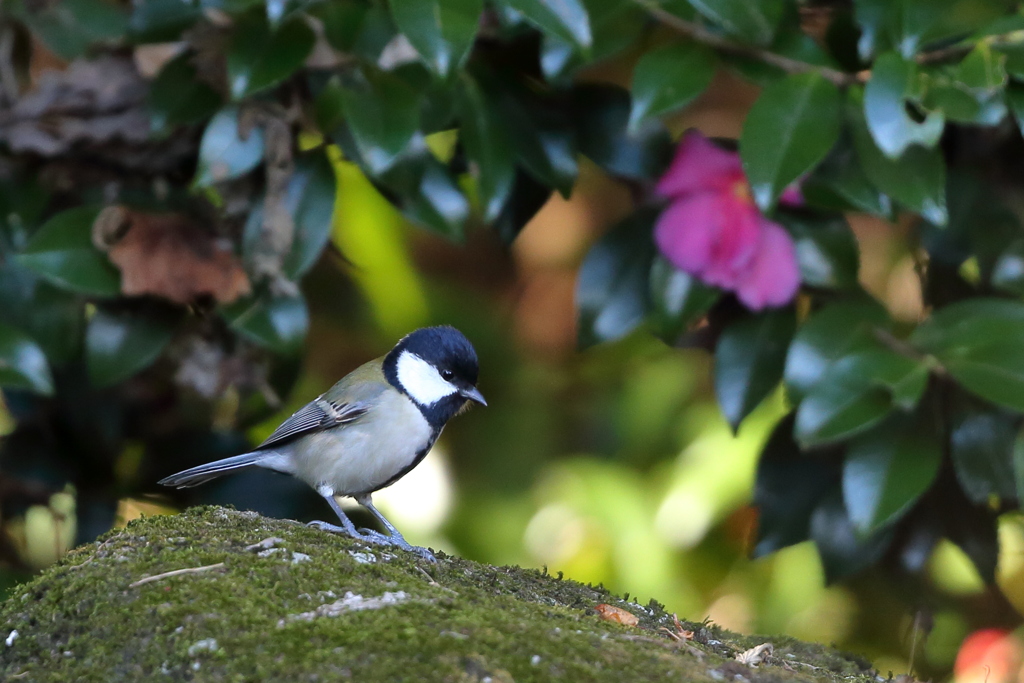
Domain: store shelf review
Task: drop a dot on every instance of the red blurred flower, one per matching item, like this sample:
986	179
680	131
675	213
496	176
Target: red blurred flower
989	655
713	230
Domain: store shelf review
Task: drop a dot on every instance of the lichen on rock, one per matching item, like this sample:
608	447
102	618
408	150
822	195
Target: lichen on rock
198	597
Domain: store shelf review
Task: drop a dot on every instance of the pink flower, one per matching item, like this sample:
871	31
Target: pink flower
713	230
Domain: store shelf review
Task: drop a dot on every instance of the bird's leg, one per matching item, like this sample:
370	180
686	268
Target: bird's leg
366	535
395	537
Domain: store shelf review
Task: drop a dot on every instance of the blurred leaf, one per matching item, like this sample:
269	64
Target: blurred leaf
968	324
856	392
488	148
612	291
527	198
62	253
567	19
310	200
826	250
157	21
442	31
274	322
177	96
677	299
1018	463
791	127
223	154
544	141
892	82
118	344
975	529
749	360
668	78
994	371
1015	100
839	184
885	471
428	194
343	21
981	443
70	27
1008	271
754	21
917	180
22	363
829	334
600	112
843	552
260	56
54	318
383	119
787	489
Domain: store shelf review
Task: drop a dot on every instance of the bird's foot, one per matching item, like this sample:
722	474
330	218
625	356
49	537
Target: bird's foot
374	537
398	541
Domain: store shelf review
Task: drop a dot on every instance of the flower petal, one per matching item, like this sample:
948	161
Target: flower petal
710	235
699	165
793	195
772	277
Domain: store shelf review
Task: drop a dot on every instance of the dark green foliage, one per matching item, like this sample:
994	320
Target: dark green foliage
465	113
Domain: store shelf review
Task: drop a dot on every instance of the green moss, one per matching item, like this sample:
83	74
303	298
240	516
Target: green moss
451	621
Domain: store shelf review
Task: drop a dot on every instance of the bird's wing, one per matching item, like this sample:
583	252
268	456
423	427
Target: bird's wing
316	415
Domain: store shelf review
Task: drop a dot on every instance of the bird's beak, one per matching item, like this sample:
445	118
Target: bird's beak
473	394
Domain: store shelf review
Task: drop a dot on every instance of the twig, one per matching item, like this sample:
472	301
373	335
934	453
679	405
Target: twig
176	572
702	35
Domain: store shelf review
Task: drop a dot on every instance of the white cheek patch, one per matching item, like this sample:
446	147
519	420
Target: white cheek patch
421	380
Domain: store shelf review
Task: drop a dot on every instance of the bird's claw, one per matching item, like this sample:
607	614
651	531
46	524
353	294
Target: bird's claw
374	537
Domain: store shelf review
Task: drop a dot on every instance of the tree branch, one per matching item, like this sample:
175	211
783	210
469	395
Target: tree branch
700	34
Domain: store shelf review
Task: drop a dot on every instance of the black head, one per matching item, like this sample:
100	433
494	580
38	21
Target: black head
437	368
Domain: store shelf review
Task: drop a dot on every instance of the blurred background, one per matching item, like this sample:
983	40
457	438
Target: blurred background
611	465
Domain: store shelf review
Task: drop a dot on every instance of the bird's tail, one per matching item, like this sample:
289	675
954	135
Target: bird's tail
211	470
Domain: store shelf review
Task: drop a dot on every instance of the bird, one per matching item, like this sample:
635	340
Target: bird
368	430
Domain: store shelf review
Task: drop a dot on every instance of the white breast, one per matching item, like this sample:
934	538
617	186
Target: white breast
360	457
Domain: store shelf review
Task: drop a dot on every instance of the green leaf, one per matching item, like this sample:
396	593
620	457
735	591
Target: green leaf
829	334
22	363
981	443
1018	463
275	322
826	250
223	154
260	56
892	82
488	147
310	201
787	489
840	184
677	299
917	180
70	27
567	19
1008	270
119	344
749	360
790	128
156	21
383	118
442	31
612	287
754	21
426	192
843	551
856	393
600	113
54	318
343	21
178	97
969	324
885	471
668	78
545	143
1015	100
62	253
994	371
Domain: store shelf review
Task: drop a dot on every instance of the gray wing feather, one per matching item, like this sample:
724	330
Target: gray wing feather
316	415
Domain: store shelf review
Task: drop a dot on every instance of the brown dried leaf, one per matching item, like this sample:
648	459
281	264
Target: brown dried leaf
170	256
616	614
756	655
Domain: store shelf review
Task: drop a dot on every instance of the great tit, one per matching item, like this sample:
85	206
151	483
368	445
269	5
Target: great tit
368	430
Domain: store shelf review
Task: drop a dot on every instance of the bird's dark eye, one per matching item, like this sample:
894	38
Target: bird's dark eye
446	375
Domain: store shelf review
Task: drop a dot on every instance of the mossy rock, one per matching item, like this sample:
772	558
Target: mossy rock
274	600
